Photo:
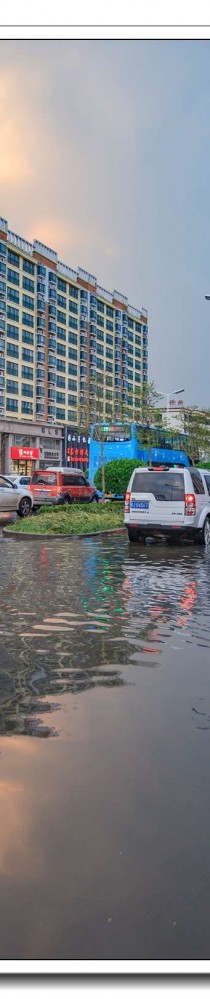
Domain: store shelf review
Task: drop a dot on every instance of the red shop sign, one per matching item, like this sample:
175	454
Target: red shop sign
25	452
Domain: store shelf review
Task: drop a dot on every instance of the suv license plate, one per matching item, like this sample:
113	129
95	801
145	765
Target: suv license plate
140	504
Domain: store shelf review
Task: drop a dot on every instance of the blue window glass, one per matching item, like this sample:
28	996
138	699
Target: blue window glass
27	320
73	323
61	348
73	338
73	307
2	267
12	276
28	302
13	258
61	301
61	334
27	390
41	270
27	355
72	369
60	365
13	295
60	414
12	350
27	372
73	292
72	400
28	266
61	317
28	337
13	332
12	386
72	385
26	407
60	381
12	405
61	285
12	368
28	285
12	313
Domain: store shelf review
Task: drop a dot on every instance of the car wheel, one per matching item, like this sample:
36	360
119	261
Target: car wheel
133	534
94	499
24	507
66	500
206	532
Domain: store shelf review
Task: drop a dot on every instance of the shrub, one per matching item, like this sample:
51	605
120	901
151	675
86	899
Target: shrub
117	474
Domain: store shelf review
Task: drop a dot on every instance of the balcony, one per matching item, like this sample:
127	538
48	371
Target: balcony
52	278
51	361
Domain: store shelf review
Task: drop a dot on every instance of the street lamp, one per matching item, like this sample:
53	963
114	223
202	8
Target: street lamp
167	395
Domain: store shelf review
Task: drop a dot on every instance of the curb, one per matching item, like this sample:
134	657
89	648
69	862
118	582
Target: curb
21	536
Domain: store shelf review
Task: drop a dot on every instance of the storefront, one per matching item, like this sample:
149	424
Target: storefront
23	459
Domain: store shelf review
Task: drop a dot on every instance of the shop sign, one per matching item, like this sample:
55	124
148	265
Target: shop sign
25	453
50	455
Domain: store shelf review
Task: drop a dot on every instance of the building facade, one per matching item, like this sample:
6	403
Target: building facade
25	446
70	351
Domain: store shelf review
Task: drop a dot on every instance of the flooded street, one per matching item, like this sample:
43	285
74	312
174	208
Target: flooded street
104	750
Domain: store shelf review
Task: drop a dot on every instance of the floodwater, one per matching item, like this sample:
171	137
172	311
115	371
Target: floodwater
104	750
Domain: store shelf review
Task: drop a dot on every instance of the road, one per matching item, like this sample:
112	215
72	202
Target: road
104	750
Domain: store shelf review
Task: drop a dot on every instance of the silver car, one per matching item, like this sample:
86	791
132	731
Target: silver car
14	498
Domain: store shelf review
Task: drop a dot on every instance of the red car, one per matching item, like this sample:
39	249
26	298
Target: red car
61	485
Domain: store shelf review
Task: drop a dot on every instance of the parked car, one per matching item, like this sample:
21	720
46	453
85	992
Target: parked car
61	485
172	502
21	480
14	498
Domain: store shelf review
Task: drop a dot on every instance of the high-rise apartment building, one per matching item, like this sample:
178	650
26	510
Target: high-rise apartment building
70	351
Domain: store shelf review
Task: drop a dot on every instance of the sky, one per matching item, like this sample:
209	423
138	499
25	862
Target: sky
105	157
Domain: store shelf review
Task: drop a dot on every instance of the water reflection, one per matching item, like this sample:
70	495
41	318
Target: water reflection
88	615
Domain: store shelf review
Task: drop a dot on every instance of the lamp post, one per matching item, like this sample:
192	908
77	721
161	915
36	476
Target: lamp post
167	395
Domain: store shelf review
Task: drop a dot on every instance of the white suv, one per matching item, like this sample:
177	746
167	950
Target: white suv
170	502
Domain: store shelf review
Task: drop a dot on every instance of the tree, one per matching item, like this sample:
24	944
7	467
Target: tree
196	424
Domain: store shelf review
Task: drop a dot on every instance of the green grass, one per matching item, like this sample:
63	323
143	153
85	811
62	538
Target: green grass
72	519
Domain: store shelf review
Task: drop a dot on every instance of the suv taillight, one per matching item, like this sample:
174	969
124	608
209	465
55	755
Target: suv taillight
189	504
127	502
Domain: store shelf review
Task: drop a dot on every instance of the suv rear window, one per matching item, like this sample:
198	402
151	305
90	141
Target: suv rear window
163	485
38	479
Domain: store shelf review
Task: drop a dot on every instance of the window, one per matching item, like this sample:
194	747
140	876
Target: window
73	322
52	311
60	414
13	258
12	387
109	311
109	352
61	285
13	295
3	248
73	338
138	341
73	292
40	356
99	363
12	350
40	391
72	400
29	337
100	321
2	267
197	481
27	389
28	267
40	323
61	349
207	478
49	479
109	366
61	317
3	287
100	306
72	369
165	486
73	353
40	287
99	348
60	365
27	372
52	327
72	385
12	405
28	302
13	332
71	415
138	327
28	285
60	382
12	276
109	325
41	270
61	333
12	368
27	320
108	380
2	325
73	307
130	323
51	377
12	313
60	397
26	407
61	301
27	355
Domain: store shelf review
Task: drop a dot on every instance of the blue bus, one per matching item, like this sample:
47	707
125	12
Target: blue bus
156	445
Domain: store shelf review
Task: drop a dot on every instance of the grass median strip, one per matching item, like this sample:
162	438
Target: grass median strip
75	519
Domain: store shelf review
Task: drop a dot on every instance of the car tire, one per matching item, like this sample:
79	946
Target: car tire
66	500
24	507
133	535
94	499
205	533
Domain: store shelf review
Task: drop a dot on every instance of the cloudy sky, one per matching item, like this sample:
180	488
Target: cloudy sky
105	156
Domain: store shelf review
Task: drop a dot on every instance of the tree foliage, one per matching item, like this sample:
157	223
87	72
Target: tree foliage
118	473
